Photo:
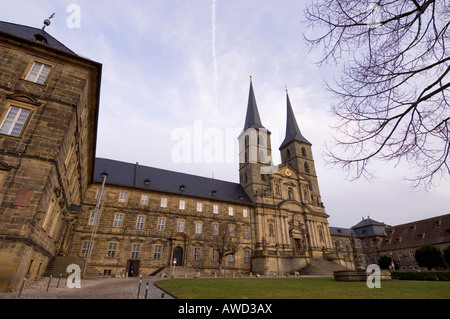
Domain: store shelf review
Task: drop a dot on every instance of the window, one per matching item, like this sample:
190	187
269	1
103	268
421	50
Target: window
247	256
38	73
303	152
215	255
196	253
123	197
231	258
215	209
157	252
161	222
14	121
99	190
135	251
400	256
411	254
290	193
231	230
199	207
215	229
198	227
271	233
182	204
230	211
180	226
140	222
245	212
112	250
85	249
307	168
118	220
144	199
246	233
163	201
92	218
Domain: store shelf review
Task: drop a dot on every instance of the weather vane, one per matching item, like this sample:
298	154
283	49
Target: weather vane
47	21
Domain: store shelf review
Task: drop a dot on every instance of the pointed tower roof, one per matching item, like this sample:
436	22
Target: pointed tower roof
292	130
252	120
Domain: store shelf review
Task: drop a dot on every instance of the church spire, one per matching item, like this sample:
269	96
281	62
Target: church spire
292	130
252	120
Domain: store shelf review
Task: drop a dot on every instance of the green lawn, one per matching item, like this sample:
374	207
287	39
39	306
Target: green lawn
302	288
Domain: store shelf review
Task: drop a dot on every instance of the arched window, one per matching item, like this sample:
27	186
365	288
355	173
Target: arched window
290	193
277	190
271	233
306	167
288	154
303	152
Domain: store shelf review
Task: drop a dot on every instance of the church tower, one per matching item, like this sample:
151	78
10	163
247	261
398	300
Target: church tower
255	152
296	152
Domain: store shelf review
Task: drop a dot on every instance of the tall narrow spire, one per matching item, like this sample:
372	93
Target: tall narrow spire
292	130
252	120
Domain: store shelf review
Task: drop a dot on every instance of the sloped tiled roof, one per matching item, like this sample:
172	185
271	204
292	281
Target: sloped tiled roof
28	33
429	231
339	231
134	175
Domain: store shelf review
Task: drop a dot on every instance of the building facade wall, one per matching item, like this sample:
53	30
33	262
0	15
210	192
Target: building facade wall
141	225
44	168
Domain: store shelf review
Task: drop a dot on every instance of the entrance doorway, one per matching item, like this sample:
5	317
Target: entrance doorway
133	267
178	255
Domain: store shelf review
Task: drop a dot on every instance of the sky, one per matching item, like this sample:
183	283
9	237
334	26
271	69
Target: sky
175	85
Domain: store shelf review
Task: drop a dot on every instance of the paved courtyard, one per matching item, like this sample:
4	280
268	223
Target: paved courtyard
102	288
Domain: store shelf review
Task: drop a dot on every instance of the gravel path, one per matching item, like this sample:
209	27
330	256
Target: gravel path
102	288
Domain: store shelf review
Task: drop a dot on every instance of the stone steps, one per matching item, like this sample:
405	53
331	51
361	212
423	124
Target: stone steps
321	267
58	266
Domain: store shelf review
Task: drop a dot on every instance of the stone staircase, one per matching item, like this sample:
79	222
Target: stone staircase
58	265
321	267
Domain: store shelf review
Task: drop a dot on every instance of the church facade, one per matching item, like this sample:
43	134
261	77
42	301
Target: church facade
149	218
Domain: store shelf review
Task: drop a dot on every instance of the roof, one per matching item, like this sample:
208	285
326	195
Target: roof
292	130
339	231
28	33
369	227
252	119
368	222
423	232
365	228
135	175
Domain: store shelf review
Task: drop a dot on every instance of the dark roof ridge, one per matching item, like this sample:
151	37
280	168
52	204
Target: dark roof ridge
161	180
28	33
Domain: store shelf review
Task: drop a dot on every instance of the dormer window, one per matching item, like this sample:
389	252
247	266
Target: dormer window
38	73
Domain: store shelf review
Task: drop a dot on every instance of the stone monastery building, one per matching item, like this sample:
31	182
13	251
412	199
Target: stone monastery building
59	204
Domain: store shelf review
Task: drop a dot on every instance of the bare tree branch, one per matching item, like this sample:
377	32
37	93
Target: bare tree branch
393	92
